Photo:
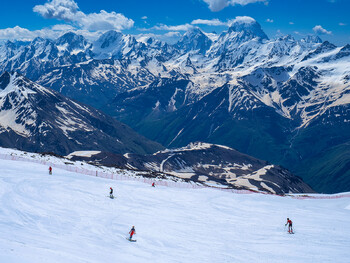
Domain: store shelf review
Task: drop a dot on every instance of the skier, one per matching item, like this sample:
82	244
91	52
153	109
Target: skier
132	232
111	193
50	170
153	184
290	226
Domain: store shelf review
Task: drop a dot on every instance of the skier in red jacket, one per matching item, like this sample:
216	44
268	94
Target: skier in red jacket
132	232
50	170
290	225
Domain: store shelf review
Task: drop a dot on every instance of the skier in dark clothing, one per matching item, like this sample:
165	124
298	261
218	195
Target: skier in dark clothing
50	170
111	192
132	232
290	225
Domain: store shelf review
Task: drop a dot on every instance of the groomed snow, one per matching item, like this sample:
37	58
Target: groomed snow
67	217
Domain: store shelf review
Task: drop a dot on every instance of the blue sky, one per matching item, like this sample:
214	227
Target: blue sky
25	19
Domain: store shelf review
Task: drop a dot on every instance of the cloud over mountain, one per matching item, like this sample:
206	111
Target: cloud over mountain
217	5
58	9
321	31
68	11
212	22
184	27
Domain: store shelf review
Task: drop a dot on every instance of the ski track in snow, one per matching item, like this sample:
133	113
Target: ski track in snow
67	217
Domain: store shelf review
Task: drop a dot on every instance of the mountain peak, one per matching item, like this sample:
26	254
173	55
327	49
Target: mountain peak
72	41
69	37
109	45
312	39
286	38
346	47
323	48
327	45
109	37
248	25
194	39
150	40
194	31
38	39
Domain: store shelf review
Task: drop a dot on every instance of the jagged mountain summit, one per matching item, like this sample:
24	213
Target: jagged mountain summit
35	118
210	164
96	72
283	100
195	40
247	26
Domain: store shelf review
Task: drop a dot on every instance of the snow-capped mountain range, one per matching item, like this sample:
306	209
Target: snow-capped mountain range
242	56
39	119
35	118
282	100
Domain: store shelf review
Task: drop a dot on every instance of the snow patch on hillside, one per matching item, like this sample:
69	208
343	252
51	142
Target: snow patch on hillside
255	176
82	154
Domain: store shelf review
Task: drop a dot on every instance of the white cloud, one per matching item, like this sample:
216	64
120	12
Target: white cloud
342	24
212	22
19	33
291	23
321	31
105	21
58	9
15	32
242	19
89	25
173	34
68	10
184	27
228	23
269	20
63	27
217	5
144	17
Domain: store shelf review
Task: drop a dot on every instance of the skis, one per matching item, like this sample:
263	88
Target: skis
111	197
131	240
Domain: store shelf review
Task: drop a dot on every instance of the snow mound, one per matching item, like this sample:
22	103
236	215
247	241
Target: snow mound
82	154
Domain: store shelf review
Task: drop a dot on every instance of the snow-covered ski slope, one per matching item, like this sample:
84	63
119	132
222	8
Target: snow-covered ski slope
67	217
